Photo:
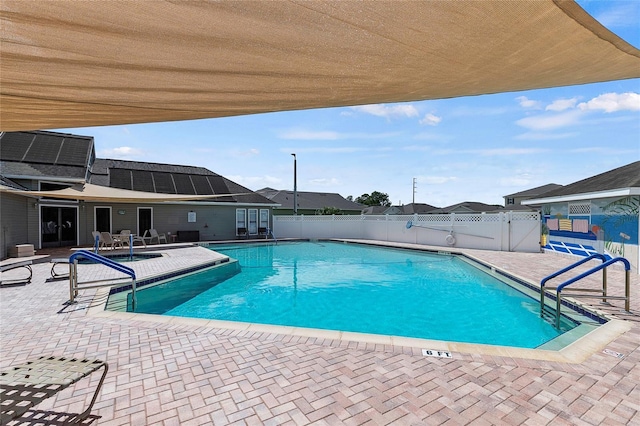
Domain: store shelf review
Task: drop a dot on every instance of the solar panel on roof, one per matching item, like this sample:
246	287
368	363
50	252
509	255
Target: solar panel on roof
74	152
142	181
44	149
120	178
13	146
164	183
183	184
218	184
201	184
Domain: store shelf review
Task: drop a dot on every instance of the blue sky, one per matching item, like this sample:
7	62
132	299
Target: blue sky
476	148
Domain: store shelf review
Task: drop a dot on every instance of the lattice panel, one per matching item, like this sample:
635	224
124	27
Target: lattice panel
435	218
524	217
468	218
580	209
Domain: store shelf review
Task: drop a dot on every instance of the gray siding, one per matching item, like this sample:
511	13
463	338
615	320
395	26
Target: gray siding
212	222
14	229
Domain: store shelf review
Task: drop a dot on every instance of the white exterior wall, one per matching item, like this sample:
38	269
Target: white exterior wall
509	231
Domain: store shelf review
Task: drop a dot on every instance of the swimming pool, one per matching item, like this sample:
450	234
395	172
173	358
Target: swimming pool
358	288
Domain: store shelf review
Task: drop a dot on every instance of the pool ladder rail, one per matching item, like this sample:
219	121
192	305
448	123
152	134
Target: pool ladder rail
548	312
270	232
75	286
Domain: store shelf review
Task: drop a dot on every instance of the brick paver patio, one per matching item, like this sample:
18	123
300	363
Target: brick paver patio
182	373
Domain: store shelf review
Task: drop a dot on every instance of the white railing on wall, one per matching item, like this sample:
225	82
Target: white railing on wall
505	231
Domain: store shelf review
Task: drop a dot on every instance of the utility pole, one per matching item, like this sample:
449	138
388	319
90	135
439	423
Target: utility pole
295	185
415	185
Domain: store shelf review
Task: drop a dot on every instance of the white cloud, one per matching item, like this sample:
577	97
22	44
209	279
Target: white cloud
616	16
431	120
534	136
562	104
528	103
612	102
123	152
381	110
550	121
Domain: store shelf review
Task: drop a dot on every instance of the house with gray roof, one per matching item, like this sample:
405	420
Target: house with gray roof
418	208
309	203
469	207
596	214
514	201
412	208
212	207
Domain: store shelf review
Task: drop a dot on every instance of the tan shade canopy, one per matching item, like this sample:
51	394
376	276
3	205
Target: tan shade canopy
97	193
69	63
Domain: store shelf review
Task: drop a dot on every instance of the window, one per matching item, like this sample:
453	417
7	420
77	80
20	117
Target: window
264	218
241	221
253	221
510	201
145	219
102	219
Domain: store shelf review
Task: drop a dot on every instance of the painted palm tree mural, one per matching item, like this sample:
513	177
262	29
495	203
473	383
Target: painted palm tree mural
620	224
609	226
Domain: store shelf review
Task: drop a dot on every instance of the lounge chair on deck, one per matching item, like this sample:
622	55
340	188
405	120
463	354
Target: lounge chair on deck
109	241
9	264
152	234
26	385
124	237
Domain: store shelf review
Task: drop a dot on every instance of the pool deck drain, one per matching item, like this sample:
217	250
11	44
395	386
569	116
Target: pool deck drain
182	371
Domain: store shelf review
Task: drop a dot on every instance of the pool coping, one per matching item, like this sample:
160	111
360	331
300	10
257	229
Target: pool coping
574	353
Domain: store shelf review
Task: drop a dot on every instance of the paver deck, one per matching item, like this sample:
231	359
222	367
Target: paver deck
186	373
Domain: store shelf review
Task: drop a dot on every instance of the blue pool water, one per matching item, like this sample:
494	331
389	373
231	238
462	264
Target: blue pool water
351	287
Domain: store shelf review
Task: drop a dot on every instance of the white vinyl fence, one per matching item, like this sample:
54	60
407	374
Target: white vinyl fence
508	231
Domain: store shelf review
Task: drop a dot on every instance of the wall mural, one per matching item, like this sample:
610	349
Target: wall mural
610	222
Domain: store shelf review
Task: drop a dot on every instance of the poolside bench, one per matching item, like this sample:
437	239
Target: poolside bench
9	264
62	261
26	385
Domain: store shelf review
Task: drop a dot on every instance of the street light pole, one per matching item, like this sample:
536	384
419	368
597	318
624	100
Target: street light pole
295	185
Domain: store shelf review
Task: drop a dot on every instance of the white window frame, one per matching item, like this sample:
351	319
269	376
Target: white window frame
138	219
95	217
252	221
264	219
241	219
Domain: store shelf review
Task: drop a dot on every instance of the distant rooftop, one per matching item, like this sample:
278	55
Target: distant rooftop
534	192
309	200
622	178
